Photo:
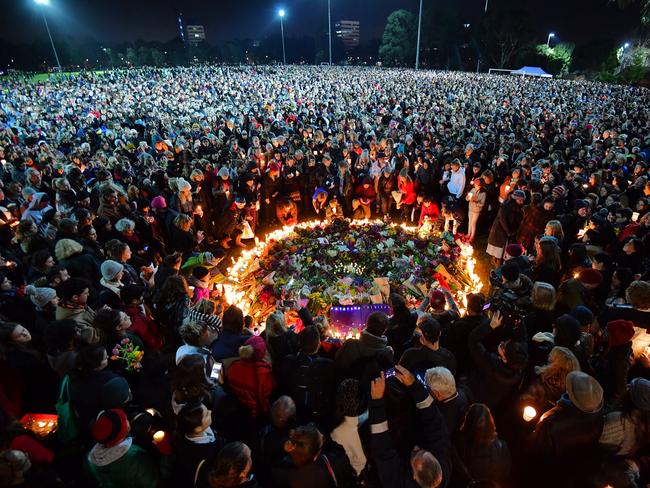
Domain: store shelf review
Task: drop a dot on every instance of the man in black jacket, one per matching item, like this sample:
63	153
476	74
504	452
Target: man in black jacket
309	378
497	376
430	464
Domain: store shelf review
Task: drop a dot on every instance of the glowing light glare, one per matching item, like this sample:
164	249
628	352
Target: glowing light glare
551	34
529	413
626	45
280	13
159	436
42	2
236	296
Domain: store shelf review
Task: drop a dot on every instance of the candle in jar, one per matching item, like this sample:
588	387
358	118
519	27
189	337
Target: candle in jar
159	436
529	413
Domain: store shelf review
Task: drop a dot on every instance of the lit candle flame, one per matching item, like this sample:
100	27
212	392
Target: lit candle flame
529	413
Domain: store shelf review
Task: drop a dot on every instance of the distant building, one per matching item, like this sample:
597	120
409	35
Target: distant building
195	33
348	31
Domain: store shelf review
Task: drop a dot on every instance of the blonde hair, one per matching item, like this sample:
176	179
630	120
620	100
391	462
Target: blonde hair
638	295
543	296
556	229
275	324
561	361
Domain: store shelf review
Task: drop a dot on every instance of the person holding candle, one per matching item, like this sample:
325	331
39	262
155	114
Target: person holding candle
565	441
476	197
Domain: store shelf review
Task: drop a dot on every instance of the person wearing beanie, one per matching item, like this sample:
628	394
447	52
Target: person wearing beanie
565	440
200	280
115	393
45	302
80	264
617	358
250	378
497	375
115	460
158	202
309	378
350	414
581	289
626	428
111	284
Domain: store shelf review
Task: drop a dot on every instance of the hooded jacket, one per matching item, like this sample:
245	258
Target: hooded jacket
122	465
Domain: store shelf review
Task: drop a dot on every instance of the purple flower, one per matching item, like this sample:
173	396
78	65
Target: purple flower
124	341
115	351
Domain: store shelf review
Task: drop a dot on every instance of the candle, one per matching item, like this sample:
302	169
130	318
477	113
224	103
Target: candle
529	413
635	216
159	436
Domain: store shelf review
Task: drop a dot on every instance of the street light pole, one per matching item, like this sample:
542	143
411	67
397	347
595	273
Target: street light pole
42	4
284	55
548	41
329	26
417	49
486	5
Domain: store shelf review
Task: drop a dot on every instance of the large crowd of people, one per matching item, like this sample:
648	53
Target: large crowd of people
124	194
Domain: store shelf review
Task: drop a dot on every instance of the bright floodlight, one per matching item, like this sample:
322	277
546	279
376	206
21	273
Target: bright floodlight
280	13
551	34
626	45
42	2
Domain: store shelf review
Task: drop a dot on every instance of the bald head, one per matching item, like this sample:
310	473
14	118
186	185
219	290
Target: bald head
283	411
427	471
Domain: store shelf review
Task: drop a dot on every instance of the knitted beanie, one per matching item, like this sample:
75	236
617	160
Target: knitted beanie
40	296
110	428
110	269
584	392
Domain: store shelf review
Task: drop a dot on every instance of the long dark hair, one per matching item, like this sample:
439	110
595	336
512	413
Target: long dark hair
190	381
173	290
478	426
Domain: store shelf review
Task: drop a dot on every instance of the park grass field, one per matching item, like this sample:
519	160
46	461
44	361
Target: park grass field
41	77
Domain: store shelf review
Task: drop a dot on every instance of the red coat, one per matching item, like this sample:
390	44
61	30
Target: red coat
367	195
432	212
408	188
252	383
145	328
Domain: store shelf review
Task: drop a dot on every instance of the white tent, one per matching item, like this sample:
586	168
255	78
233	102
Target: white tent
531	71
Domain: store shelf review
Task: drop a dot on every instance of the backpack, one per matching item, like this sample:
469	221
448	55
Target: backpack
67	421
307	387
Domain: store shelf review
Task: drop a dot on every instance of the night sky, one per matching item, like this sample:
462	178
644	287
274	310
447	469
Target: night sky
114	21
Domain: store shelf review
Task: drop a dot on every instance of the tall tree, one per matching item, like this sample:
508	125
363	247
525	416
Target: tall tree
398	42
502	33
644	6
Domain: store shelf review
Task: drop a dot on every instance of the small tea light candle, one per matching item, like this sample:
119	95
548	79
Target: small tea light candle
159	436
529	413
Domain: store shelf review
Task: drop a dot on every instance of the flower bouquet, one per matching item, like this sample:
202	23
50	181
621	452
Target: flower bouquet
128	352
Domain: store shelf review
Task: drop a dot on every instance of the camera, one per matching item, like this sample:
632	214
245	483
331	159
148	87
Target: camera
505	301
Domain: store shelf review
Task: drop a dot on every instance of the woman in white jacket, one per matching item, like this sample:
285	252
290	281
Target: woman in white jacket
476	198
456	184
